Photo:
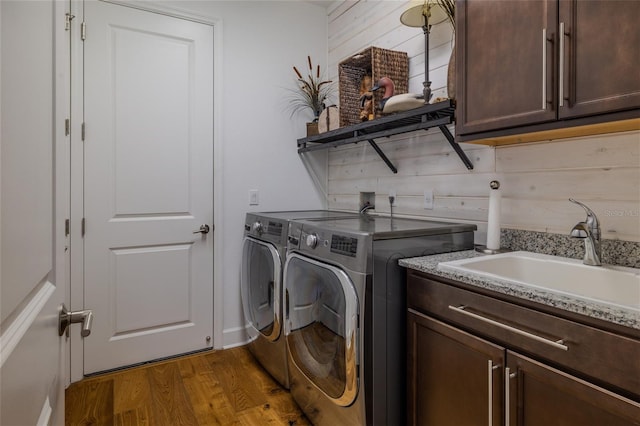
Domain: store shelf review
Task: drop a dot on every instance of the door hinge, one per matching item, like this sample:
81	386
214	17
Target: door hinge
82	227
82	131
83	31
66	227
67	21
67	126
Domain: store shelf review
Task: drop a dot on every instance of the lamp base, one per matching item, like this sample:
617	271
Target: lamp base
426	91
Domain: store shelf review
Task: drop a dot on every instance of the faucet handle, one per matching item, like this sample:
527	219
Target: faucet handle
592	219
587	209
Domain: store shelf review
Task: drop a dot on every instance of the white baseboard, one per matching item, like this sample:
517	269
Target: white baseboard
45	414
233	337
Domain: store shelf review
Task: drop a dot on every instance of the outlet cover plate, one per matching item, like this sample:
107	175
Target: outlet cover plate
392	193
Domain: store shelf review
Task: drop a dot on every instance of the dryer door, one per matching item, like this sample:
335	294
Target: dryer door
260	281
322	326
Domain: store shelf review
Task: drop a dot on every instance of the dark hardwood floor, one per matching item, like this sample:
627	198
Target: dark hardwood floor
226	387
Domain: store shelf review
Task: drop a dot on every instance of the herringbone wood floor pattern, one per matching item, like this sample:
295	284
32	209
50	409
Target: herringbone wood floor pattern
225	387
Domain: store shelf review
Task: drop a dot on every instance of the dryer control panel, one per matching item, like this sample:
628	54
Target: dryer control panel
347	246
350	251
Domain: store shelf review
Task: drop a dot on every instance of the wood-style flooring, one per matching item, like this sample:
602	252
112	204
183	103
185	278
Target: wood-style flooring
226	387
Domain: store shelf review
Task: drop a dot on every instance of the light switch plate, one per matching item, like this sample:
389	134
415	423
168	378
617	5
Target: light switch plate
428	199
254	197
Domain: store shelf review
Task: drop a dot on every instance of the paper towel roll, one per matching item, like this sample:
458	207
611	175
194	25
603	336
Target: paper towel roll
493	223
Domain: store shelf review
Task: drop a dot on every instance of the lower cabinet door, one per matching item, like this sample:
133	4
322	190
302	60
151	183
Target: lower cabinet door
454	378
537	394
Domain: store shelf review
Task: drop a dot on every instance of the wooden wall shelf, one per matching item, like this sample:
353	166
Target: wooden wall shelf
423	118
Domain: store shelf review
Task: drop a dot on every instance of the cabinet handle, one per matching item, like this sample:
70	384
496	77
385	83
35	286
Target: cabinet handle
557	344
508	375
561	66
490	371
544	69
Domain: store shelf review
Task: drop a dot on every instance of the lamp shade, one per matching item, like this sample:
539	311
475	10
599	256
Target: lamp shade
414	16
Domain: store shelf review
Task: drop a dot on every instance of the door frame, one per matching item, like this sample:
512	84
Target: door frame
77	202
63	55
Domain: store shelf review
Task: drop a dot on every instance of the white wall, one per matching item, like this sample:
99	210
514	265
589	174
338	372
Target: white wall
602	171
257	138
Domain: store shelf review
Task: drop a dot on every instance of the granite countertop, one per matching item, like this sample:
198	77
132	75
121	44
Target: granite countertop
600	310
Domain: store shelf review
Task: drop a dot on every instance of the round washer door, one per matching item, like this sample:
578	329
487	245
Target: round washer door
260	284
322	326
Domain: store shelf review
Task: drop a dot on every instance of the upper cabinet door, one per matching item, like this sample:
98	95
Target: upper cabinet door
600	59
506	66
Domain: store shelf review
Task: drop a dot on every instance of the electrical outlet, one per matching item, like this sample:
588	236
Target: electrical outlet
392	195
254	197
428	199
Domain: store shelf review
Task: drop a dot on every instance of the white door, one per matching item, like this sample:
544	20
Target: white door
35	99
148	185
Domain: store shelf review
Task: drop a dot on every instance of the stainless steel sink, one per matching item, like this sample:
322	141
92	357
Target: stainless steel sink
610	284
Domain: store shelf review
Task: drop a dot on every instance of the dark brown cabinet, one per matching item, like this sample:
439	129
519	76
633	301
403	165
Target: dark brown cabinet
473	359
501	81
541	395
533	65
600	64
454	377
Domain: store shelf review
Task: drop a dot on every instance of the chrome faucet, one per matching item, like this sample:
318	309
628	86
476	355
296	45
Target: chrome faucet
589	230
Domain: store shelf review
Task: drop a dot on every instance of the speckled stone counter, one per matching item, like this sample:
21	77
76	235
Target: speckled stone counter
603	311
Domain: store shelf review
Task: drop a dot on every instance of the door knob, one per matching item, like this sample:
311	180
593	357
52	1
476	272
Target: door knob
66	318
204	229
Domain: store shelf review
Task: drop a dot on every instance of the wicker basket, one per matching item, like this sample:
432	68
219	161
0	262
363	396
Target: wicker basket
377	63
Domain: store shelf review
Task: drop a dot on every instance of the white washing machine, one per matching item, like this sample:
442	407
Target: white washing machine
345	313
263	256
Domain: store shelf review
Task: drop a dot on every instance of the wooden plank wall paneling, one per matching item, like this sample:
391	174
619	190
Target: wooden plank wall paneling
537	179
362	24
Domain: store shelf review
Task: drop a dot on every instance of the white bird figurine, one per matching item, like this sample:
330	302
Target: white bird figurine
395	103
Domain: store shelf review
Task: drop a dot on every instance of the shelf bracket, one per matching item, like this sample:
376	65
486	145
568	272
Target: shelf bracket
425	117
384	157
452	141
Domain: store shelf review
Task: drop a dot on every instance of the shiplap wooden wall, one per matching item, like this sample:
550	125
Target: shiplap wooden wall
537	179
